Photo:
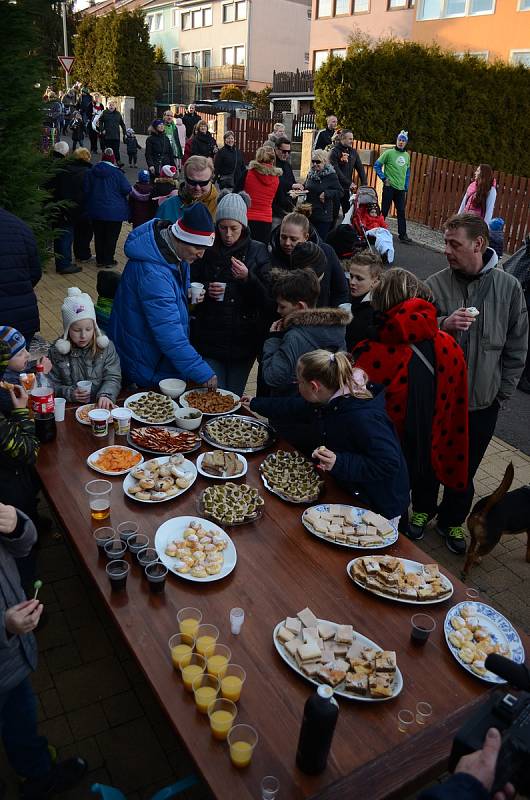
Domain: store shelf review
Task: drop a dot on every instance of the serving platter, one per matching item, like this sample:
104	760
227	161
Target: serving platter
410	566
185	404
187	466
242	460
81	413
290	463
94	456
358	514
239	447
137	396
174	528
171	431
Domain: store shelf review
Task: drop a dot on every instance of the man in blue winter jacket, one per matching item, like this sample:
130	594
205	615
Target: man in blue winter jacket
149	324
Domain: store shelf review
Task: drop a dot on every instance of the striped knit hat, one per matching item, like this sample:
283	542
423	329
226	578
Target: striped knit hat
195	226
13	339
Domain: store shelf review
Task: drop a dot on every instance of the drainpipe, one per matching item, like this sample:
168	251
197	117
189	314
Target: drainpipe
249	28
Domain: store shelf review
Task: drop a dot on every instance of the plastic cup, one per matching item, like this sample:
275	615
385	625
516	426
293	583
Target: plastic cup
137	542
221	714
205	691
237	618
423	713
156	574
206	639
269	787
102	536
115	549
473	595
217	662
98	492
189	620
99	421
84	386
196	291
117	572
181	649
221	296
422	627
405	720
121	419
59	409
195	667
345	307
146	556
242	739
232	682
127	529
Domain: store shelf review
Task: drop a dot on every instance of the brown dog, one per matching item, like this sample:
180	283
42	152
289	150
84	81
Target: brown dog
494	516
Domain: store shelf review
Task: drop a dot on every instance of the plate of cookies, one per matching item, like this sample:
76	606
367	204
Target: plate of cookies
212	402
349	526
400	579
160	479
195	549
329	652
473	630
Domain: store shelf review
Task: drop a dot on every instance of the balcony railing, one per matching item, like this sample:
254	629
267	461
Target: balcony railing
226	73
293	82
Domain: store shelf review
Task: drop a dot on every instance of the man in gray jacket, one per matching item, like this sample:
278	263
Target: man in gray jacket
26	751
484	309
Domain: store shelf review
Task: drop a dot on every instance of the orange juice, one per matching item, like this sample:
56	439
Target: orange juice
220	723
205	695
189	626
205	645
189	674
217	665
241	754
181	655
231	687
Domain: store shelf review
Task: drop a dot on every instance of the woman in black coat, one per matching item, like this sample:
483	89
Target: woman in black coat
323	192
226	327
158	150
202	141
20	272
229	164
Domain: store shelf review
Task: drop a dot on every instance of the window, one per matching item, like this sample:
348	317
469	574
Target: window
520	57
240	55
306	58
196	58
438	9
524	5
207	19
455	8
342	7
324	8
241	10
175	56
482	6
155	22
185	21
229	13
207	58
186	59
174	18
319	58
361	6
396	4
340	53
196	19
429	9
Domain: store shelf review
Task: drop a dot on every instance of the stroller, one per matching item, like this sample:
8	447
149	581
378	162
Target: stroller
363	227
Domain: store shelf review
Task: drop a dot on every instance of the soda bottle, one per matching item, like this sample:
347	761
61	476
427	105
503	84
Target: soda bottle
42	403
318	726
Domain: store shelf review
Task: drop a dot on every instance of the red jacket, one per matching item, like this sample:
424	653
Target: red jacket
261	183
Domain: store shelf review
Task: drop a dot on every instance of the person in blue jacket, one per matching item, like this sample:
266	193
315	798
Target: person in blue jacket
149	324
342	423
106	189
20	271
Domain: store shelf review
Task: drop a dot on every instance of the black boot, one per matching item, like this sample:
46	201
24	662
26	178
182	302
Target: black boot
64	775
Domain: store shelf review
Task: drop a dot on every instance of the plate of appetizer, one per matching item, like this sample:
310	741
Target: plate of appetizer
151	407
195	549
160	479
349	526
231	503
81	413
400	579
159	440
212	402
328	652
473	630
223	466
114	460
237	432
291	476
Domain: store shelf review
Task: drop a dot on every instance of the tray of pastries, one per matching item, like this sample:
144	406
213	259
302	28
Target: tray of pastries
222	465
328	652
349	526
400	579
231	503
212	402
237	432
163	441
195	549
291	476
160	479
157	409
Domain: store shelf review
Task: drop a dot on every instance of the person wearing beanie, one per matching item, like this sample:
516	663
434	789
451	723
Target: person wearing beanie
166	185
132	144
141	206
226	327
106	190
158	150
83	353
18	362
65	186
393	167
229	164
196	187
149	323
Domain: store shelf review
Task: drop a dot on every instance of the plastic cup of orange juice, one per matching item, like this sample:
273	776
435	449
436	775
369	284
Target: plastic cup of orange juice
217	661
232	682
195	667
181	649
206	639
242	739
205	690
222	714
189	620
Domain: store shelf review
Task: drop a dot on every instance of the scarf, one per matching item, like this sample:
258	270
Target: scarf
165	233
317	175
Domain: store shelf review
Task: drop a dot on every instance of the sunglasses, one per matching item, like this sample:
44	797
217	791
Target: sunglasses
316	161
192	182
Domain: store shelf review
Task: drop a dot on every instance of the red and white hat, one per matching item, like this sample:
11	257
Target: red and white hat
195	226
168	171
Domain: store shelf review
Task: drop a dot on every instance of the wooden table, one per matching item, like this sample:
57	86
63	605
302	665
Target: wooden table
280	570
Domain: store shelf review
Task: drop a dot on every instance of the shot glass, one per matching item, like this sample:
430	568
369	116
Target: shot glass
98	493
126	529
181	649
232	682
189	620
221	714
423	713
101	537
422	627
146	556
137	542
117	572
242	739
405	720
473	595
191	670
237	618
217	661
269	787
115	549
156	574
206	639
205	690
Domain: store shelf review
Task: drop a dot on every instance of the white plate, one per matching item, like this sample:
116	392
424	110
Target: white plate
337	691
242	461
184	403
410	566
189	466
392	539
86	421
94	456
500	629
135	416
174	528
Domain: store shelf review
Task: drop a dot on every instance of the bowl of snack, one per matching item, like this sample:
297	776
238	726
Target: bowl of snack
172	387
188	418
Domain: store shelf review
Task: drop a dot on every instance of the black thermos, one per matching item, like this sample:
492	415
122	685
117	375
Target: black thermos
318	726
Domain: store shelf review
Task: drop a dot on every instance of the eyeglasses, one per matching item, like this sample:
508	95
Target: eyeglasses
316	161
192	182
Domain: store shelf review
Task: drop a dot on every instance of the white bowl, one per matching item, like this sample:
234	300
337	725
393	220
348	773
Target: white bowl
172	387
188	424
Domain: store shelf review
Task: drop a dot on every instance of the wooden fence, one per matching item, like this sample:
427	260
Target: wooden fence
250	134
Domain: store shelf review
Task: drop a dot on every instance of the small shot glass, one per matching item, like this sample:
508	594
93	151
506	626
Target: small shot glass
147	555
237	618
115	549
422	627
189	620
156	574
181	649
423	713
127	529
205	690
117	572
405	720
137	542
269	787
102	536
473	595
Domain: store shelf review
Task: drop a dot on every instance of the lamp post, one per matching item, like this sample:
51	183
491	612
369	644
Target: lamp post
65	38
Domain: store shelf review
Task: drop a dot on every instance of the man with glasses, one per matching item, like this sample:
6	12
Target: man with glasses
197	186
282	203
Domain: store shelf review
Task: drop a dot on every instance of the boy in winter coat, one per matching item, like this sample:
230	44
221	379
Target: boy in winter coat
141	206
77	126
132	145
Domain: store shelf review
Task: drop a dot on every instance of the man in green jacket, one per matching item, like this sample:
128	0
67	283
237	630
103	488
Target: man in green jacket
393	167
484	309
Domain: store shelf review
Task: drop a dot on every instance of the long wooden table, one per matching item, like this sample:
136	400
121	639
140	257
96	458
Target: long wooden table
280	569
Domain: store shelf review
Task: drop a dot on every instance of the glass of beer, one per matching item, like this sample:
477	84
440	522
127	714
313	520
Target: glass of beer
98	492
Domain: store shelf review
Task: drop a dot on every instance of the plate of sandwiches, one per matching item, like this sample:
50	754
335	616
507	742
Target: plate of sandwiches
349	526
400	580
221	465
473	630
328	652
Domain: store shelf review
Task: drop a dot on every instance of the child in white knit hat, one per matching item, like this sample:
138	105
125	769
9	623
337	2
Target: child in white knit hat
84	354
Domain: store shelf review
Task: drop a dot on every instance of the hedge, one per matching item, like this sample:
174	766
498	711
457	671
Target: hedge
462	109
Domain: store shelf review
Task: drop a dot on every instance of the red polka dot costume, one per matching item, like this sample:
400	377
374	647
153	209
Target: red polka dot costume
386	361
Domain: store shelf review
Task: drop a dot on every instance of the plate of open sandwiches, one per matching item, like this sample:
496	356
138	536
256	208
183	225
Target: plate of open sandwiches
473	630
222	465
212	402
160	479
327	652
349	526
231	503
164	441
195	549
237	432
400	580
114	460
81	413
291	476
151	407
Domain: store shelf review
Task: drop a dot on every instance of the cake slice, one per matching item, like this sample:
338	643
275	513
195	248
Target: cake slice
293	624
356	683
292	646
325	630
333	672
307	618
386	661
309	651
380	685
344	634
284	635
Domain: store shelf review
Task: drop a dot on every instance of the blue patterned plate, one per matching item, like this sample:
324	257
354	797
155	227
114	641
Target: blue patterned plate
387	540
499	629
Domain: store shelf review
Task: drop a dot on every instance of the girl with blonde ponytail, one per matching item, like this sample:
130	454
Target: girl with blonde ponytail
341	421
